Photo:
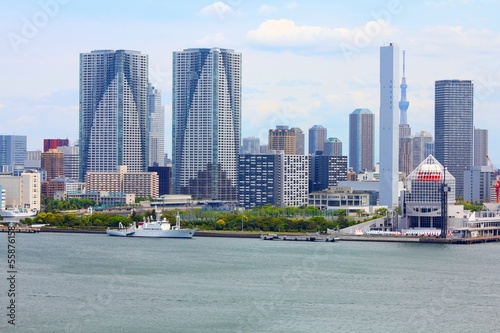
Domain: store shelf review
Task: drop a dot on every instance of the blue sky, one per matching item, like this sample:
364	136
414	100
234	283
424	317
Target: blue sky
304	62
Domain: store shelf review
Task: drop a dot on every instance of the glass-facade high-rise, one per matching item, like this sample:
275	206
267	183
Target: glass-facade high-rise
454	127
113	111
206	122
12	152
480	147
362	140
317	138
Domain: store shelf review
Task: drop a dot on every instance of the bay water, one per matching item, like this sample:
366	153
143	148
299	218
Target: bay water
97	283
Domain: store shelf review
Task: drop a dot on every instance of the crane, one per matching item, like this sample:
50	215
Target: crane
497	178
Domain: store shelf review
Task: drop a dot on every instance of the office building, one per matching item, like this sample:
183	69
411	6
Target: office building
291	141
332	147
362	140
52	161
454	127
22	191
479	184
277	179
317	137
326	171
156	147
206	122
480	147
389	125
71	163
12	152
113	111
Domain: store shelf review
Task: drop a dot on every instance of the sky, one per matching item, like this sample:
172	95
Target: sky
304	62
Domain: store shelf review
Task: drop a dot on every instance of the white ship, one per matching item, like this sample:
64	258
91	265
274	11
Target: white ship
18	212
156	229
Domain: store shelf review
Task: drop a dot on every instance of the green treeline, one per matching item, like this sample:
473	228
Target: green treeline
266	218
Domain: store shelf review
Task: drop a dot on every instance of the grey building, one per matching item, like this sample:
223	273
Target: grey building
206	122
480	147
454	127
71	163
113	111
362	140
251	145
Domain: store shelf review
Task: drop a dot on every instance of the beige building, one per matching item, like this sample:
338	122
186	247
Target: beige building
291	141
142	184
22	191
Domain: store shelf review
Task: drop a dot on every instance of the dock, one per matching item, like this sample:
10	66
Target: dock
25	230
300	238
416	239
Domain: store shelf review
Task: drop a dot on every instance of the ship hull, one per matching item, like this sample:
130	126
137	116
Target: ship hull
182	233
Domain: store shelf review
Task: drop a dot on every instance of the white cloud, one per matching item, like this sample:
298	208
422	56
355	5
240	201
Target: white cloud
285	32
266	9
291	5
213	40
2	106
217	9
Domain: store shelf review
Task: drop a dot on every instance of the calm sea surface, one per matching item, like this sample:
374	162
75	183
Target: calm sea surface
97	283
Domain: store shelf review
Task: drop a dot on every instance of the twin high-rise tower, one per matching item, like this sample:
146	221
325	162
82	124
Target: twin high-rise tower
113	110
206	122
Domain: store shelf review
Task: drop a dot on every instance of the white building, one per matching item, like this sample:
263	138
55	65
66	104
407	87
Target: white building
295	180
22	191
389	125
421	202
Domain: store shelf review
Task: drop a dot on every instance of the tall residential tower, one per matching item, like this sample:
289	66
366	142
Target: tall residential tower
113	111
454	127
206	122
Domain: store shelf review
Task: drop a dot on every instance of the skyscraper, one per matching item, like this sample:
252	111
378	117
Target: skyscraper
156	128
480	147
113	111
299	140
361	140
389	125
317	138
454	127
206	122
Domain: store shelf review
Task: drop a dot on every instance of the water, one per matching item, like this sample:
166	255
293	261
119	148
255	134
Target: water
96	283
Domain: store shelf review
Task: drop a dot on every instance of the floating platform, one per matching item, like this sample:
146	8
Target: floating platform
300	238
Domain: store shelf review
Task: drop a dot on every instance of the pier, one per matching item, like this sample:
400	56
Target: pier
25	230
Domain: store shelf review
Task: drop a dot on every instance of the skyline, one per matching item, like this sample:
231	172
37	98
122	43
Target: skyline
303	64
